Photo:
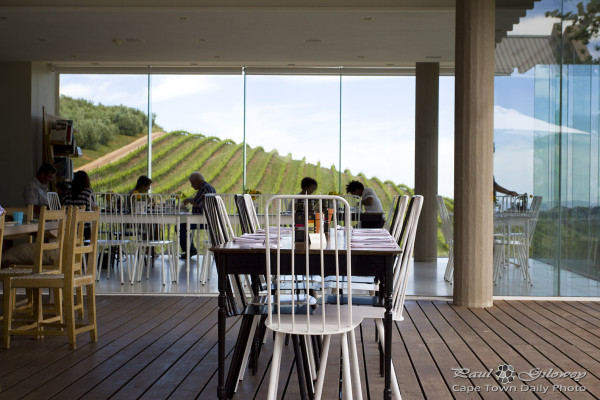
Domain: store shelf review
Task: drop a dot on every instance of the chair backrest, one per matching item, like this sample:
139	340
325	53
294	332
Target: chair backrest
446	221
251	208
53	201
534	213
76	247
402	268
111	206
45	244
298	261
244	217
398	217
148	211
217	219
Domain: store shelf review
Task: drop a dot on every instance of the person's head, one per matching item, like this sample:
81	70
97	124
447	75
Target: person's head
196	180
308	185
81	181
355	187
45	173
143	184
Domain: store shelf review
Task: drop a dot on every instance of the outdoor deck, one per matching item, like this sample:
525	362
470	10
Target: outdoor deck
159	347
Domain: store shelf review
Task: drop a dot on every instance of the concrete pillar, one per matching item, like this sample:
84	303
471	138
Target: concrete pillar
426	157
473	129
26	87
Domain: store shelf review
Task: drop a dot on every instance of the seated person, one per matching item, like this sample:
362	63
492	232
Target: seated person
36	191
308	186
202	188
80	193
142	185
370	202
498	188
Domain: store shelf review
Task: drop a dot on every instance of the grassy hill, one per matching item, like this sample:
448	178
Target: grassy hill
176	154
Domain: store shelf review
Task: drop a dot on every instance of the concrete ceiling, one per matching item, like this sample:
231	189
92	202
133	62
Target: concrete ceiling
349	33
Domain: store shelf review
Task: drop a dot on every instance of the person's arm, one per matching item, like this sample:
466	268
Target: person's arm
368	201
498	188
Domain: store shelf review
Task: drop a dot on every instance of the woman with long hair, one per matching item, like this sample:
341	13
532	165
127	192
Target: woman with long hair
80	193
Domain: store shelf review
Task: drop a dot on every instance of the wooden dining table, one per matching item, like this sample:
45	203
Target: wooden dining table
244	258
12	230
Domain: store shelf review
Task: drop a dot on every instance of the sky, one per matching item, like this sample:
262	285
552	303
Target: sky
301	115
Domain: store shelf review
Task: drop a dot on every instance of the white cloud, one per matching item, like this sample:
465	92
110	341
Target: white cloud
169	87
521	124
534	25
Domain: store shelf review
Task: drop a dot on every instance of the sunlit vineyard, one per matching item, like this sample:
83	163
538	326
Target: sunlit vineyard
177	154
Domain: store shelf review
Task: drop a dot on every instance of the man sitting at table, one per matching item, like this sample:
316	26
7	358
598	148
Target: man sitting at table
197	181
369	200
36	191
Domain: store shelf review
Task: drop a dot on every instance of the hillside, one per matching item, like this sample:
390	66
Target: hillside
175	155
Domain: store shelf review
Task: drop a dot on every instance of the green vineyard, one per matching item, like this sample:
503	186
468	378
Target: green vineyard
177	154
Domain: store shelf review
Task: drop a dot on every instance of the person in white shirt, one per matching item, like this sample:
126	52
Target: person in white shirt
370	201
36	191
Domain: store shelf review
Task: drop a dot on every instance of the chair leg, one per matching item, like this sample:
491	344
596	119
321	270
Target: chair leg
91	301
70	317
275	365
347	380
394	379
8	310
99	266
79	294
355	368
322	367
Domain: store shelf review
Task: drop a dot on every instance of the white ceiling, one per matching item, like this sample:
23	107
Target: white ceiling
349	33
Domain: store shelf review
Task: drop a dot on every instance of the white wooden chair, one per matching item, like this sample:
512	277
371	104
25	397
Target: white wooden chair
112	234
151	230
401	273
303	318
447	231
53	201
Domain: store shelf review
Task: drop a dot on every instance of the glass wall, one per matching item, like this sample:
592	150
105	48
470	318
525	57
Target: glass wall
547	101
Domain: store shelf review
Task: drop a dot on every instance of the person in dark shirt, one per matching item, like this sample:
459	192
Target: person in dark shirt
80	193
202	188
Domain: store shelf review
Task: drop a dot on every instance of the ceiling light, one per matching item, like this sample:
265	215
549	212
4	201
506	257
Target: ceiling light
183	18
313	40
360	56
216	56
134	40
117	42
202	40
367	19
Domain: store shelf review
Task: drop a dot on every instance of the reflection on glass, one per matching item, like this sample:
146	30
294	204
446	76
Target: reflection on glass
554	84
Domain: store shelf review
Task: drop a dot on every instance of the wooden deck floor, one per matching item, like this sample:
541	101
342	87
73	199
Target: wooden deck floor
159	347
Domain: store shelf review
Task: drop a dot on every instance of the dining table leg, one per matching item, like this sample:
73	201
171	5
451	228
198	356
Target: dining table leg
388	324
221	392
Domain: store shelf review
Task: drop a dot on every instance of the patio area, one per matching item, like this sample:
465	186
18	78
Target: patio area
159	347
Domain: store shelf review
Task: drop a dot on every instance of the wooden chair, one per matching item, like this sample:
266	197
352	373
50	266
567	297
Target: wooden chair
44	245
67	281
306	319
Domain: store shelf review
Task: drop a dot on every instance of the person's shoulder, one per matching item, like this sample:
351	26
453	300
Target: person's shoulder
368	192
